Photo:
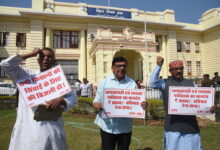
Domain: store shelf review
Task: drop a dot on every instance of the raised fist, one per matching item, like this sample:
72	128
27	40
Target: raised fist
160	61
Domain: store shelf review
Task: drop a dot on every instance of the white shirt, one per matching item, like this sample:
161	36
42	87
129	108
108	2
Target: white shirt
28	134
85	89
77	85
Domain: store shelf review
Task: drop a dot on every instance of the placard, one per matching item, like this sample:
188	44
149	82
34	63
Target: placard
123	103
190	100
44	87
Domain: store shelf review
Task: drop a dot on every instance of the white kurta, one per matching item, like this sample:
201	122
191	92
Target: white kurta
85	89
28	134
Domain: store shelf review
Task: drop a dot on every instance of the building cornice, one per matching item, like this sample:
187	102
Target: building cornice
10	14
66	15
200	30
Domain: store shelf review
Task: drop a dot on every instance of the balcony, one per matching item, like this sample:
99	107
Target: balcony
127	39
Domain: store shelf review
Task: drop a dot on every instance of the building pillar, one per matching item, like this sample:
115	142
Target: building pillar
47	39
171	53
36	40
145	75
164	54
99	66
83	60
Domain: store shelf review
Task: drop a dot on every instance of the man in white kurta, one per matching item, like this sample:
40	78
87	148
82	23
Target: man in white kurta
29	134
85	88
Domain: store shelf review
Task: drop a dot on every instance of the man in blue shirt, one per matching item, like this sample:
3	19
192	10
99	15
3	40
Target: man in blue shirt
115	131
181	131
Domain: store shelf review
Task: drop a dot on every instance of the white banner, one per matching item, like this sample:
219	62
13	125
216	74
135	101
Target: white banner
190	100
44	87
123	103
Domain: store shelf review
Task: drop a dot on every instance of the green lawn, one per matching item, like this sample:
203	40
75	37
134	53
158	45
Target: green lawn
82	134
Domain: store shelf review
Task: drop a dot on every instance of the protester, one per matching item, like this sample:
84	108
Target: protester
216	79
85	88
94	89
181	131
77	86
206	82
29	134
91	90
115	131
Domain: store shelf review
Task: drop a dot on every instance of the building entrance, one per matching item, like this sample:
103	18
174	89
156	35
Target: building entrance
135	69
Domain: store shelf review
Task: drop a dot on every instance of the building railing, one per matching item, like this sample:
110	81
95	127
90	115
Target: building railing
153	93
7	91
217	88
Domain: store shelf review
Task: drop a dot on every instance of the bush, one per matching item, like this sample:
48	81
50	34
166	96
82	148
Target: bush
155	109
3	98
7	102
84	106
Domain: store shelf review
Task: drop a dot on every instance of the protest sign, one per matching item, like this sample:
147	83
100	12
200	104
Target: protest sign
123	103
190	100
43	87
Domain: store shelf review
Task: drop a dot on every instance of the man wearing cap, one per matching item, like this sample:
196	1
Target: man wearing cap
181	132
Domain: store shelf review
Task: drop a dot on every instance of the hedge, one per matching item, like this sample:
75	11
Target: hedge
155	108
84	106
7	102
3	98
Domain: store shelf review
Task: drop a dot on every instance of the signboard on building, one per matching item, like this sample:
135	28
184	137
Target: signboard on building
108	13
43	87
123	103
190	100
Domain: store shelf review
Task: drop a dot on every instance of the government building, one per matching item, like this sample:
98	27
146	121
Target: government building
87	37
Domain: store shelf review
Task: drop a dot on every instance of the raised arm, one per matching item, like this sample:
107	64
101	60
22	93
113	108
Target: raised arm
12	68
33	53
154	81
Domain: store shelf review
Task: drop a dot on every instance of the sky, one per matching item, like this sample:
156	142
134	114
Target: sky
187	11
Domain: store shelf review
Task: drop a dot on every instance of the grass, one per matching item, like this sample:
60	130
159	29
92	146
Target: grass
7	119
82	134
